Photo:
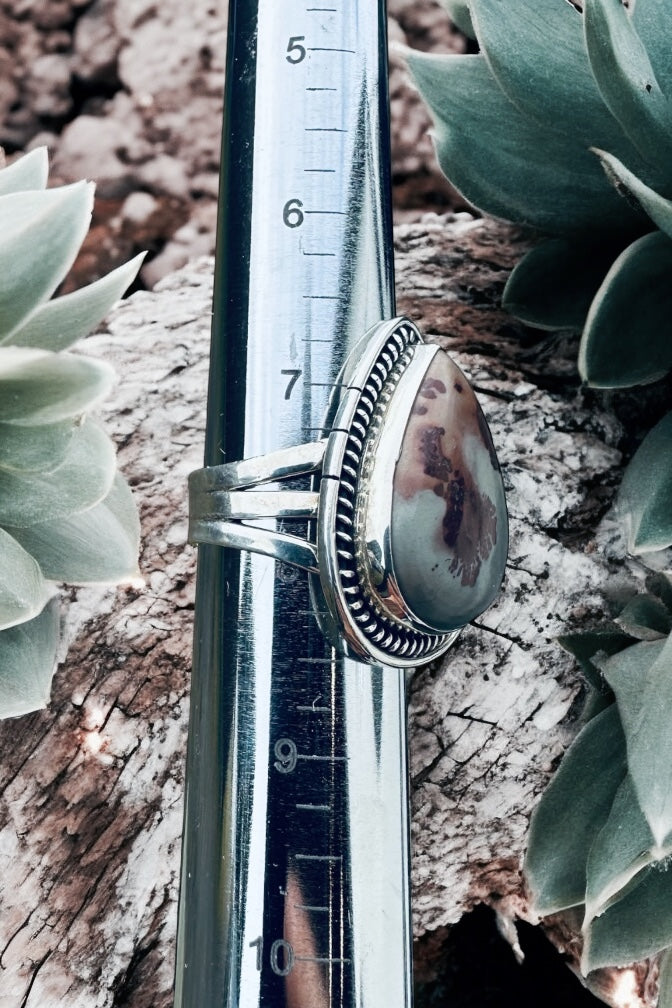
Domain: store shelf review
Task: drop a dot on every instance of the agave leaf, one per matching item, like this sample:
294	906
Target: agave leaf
58	324
28	172
625	340
23	590
507	164
54	222
665	980
659	584
653	21
553	285
550	83
34	449
627	80
646	491
98	545
83	479
621	849
458	11
572	811
40	387
584	646
646	618
635	927
641	678
627	183
27	663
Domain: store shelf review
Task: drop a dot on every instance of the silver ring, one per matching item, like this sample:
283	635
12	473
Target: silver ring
408	530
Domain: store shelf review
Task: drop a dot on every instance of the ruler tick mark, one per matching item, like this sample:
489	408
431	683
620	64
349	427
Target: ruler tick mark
314	909
331	49
325	129
321	89
312	808
321	171
331	255
309	708
334	858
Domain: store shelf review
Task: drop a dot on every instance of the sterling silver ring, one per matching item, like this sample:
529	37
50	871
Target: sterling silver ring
408	530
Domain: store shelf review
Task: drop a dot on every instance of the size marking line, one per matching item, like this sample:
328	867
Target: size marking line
328	213
319	857
321	297
313	710
321	89
301	807
324	129
330	255
330	49
324	759
313	909
322	171
320	959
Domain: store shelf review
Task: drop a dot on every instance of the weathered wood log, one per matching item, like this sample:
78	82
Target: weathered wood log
90	789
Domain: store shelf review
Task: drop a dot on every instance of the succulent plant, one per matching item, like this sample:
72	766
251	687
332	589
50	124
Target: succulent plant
601	837
65	514
563	121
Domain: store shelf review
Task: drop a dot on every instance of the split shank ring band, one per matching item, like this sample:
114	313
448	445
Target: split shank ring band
407	520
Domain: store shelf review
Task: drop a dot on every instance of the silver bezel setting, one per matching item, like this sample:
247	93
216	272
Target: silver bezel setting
374	620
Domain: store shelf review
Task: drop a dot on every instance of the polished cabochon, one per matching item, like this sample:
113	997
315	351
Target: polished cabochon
413	530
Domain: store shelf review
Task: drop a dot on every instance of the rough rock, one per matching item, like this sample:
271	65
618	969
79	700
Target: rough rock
90	789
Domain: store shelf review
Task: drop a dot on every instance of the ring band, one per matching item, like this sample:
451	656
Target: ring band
406	507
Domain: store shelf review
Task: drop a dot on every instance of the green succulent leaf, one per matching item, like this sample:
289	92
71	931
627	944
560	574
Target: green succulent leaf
23	590
538	176
458	11
28	172
41	235
81	481
572	811
665	980
659	584
641	678
551	83
646	492
635	191
98	545
646	618
625	340
621	849
27	663
553	285
626	79
636	926
34	449
584	646
39	387
59	323
653	23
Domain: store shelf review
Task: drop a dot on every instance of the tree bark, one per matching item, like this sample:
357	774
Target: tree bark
91	789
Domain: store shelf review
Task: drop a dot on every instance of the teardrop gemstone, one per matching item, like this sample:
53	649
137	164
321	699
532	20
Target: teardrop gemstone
449	527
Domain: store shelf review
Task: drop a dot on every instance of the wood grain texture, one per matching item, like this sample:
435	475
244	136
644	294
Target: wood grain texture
90	789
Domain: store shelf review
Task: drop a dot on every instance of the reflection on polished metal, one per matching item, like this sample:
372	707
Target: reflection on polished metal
411	534
294	889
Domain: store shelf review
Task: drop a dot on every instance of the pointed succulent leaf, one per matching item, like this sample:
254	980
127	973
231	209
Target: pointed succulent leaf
23	590
572	811
59	323
635	927
507	164
34	449
553	285
584	646
641	678
27	663
98	545
458	11
28	172
627	80
552	84
636	192
646	618
665	980
653	23
621	849
659	584
53	222
646	491
625	339
37	386
83	480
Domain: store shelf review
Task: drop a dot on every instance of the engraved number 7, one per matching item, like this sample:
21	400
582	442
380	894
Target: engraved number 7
295	375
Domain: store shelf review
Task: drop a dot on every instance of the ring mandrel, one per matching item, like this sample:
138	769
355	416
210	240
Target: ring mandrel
408	530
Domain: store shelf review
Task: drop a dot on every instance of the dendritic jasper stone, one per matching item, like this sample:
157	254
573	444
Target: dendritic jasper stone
449	528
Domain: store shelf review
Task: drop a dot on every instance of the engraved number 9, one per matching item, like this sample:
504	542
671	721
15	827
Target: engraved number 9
286	755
